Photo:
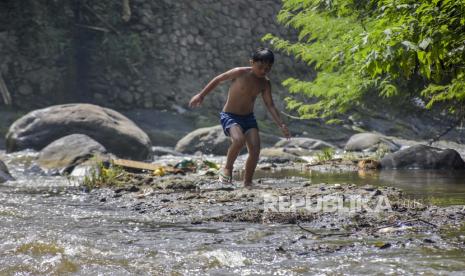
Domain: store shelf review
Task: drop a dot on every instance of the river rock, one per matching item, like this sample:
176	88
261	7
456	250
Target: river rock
302	146
67	152
115	132
280	153
370	142
268	140
4	173
423	157
208	140
160	151
443	144
211	140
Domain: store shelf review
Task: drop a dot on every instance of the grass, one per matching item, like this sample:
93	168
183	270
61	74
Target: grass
382	150
103	176
325	154
350	156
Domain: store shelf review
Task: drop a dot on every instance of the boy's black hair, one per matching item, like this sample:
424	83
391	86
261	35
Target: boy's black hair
263	55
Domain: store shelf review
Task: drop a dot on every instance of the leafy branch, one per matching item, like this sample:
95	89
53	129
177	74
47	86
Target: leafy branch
397	48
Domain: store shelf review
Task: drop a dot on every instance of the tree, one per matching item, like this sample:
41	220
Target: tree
395	48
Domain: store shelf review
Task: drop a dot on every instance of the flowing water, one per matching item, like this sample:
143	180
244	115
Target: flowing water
442	188
49	225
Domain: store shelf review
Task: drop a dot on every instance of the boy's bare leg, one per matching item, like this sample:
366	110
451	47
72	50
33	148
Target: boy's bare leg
237	143
253	147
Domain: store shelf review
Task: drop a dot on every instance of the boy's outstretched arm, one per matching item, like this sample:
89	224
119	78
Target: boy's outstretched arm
229	75
268	99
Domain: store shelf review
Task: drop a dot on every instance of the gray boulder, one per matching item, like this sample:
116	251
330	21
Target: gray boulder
370	142
4	173
160	151
302	145
67	152
211	140
208	140
117	133
268	140
278	153
423	157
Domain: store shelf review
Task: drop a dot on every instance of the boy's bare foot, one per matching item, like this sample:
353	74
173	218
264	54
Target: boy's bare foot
248	185
225	176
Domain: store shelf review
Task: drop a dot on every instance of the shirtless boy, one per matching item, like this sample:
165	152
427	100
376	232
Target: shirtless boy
237	117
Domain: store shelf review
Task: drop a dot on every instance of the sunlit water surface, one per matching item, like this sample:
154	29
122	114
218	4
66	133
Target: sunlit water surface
48	225
440	187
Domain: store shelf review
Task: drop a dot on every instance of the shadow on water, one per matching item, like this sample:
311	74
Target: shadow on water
437	187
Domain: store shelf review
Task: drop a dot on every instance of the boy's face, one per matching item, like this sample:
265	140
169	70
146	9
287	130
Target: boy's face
260	69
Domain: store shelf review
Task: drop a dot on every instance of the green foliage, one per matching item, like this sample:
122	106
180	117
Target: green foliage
101	176
325	154
387	46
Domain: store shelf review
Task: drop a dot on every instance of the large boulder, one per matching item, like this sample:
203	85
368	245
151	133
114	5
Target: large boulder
67	152
117	133
211	140
423	157
208	140
370	142
4	173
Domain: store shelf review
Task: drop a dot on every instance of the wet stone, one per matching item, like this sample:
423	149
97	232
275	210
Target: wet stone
133	189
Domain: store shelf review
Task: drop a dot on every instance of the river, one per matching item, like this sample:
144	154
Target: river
50	225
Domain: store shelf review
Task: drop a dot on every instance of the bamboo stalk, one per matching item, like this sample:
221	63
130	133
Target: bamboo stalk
100	29
126	11
108	25
4	91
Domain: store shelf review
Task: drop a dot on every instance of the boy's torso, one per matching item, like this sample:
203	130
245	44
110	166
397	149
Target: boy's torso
243	92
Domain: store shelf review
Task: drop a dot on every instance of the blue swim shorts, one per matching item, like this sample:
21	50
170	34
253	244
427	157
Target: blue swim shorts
246	122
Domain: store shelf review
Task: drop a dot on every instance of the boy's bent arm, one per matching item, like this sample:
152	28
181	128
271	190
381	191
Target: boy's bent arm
229	75
269	103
